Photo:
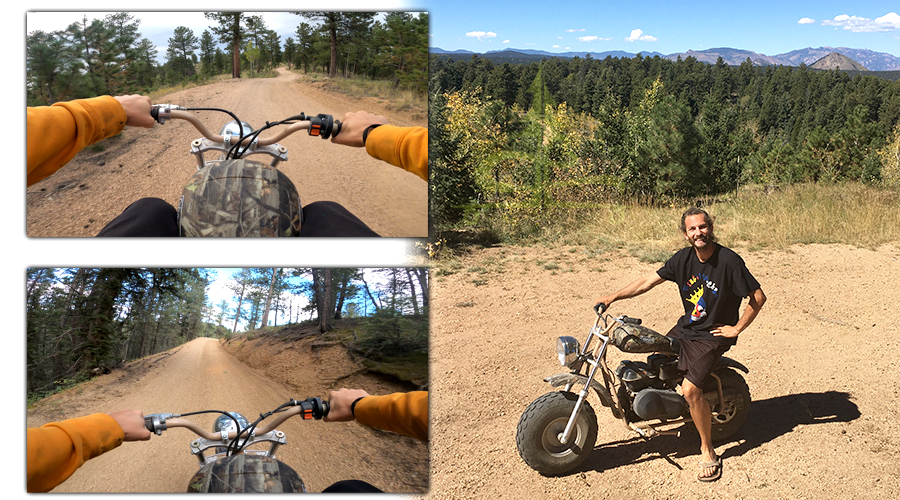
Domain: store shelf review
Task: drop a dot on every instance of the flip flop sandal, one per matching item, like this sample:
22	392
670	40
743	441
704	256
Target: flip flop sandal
717	463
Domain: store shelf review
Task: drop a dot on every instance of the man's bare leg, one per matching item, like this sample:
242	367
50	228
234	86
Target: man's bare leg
702	417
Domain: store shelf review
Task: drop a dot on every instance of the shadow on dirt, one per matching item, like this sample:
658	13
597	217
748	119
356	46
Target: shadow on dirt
768	419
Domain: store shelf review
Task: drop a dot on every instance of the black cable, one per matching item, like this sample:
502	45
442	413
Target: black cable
235	151
238	120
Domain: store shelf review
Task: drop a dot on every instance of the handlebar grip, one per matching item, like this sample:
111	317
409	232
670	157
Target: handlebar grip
154	112
600	308
156	422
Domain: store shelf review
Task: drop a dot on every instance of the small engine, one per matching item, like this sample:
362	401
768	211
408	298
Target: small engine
648	392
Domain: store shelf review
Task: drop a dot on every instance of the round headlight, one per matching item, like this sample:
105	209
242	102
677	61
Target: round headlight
567	350
233	128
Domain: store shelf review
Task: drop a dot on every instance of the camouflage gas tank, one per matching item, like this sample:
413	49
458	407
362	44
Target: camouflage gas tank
246	474
629	337
239	198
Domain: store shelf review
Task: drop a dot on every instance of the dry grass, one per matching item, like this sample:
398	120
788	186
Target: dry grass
164	91
398	99
849	213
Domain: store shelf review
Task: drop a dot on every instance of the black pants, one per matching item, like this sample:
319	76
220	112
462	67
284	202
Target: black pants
351	486
152	217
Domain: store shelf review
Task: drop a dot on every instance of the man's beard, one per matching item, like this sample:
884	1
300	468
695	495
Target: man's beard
708	239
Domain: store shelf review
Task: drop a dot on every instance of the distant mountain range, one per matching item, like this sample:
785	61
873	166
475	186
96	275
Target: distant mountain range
874	61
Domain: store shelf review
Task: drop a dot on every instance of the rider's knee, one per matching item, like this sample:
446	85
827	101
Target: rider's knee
691	392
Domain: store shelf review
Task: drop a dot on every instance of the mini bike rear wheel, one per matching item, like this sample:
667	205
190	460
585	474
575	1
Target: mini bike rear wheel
732	412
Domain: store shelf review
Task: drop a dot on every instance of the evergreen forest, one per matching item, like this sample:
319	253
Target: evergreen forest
82	322
110	56
520	142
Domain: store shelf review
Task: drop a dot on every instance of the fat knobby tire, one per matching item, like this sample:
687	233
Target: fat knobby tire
540	425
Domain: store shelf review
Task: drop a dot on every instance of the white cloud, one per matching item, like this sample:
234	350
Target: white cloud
639	35
505	41
481	34
887	22
573	30
593	38
806	20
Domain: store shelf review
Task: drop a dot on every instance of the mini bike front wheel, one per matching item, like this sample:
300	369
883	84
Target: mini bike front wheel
543	423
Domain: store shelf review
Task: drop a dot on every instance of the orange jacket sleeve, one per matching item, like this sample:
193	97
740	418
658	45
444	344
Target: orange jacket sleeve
404	147
57	133
56	450
403	413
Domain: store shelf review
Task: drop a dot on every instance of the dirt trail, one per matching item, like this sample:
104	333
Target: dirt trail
823	374
202	375
96	186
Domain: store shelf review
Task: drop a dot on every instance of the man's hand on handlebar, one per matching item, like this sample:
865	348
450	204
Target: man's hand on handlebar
137	110
132	422
354	125
340	402
602	301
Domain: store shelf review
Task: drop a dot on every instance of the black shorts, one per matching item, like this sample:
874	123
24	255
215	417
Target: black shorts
698	356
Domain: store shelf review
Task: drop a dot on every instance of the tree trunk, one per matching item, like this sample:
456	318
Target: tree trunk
421	274
265	317
236	62
237	314
323	297
412	291
369	293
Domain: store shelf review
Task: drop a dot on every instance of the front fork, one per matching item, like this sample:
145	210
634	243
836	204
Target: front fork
564	437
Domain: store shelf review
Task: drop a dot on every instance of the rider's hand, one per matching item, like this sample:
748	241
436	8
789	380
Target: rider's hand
353	125
725	331
137	109
340	402
132	422
604	300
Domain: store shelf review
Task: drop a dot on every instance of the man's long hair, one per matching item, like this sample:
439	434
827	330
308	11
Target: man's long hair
706	217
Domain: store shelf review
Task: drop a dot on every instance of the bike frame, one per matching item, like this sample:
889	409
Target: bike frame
200	445
597	361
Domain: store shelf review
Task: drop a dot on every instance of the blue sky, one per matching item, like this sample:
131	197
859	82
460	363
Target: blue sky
763	26
218	291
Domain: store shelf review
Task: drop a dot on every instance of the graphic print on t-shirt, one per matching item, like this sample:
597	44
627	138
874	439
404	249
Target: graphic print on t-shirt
694	290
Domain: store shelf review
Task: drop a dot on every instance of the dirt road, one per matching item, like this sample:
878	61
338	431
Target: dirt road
81	198
823	374
202	375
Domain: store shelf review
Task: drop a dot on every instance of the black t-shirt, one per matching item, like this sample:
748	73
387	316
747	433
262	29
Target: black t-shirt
711	290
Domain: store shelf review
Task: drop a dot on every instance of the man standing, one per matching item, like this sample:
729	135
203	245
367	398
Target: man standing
712	280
